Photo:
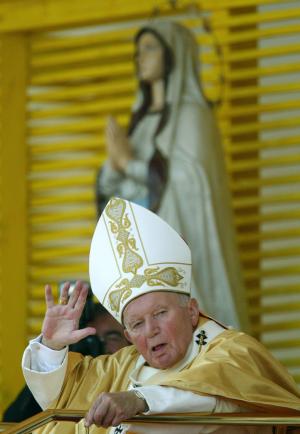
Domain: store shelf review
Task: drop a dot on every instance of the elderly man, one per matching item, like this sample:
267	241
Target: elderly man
180	361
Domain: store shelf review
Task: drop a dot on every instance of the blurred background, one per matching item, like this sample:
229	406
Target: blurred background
64	66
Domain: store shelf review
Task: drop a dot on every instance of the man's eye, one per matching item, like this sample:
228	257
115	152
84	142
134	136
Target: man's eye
161	312
136	325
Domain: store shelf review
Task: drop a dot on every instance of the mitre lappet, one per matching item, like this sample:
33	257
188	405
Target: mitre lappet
133	252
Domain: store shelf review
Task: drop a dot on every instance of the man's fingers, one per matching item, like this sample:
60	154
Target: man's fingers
79	299
77	335
107	417
88	420
75	293
104	412
64	293
49	296
89	417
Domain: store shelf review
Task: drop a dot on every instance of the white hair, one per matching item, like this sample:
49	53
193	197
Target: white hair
183	299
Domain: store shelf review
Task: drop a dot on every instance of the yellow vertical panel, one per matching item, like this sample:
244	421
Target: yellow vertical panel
248	174
1	241
13	214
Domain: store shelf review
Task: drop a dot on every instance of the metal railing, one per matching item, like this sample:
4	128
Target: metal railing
287	422
4	426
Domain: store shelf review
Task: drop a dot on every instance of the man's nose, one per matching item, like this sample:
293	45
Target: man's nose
151	327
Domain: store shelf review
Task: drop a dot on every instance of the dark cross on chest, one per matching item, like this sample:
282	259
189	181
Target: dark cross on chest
118	430
201	338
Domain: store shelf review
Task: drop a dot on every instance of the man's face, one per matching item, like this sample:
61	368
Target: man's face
161	327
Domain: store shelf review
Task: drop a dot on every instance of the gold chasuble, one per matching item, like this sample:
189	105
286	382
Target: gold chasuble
233	366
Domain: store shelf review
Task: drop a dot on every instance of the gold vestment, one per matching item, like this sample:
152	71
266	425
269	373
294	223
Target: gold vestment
233	366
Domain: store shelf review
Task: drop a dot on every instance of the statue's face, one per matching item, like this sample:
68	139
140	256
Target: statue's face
161	327
149	58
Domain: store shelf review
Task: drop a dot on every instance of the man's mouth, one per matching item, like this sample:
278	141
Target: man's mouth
158	347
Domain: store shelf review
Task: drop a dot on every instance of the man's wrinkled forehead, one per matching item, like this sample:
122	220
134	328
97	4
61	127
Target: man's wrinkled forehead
149	301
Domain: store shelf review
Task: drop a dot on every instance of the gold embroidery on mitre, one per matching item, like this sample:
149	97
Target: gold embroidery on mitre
126	247
120	295
165	277
168	276
132	261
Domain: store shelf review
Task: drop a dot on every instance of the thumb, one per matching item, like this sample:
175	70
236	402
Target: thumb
77	335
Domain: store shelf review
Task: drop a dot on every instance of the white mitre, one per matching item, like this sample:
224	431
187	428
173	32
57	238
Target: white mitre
134	252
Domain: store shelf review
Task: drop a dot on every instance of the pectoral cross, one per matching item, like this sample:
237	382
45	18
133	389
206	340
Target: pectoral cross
201	338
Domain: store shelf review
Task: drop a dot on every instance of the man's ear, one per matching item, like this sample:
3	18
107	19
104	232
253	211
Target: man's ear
127	336
193	311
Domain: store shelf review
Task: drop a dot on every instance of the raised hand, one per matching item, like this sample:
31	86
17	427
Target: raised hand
110	409
60	326
118	146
